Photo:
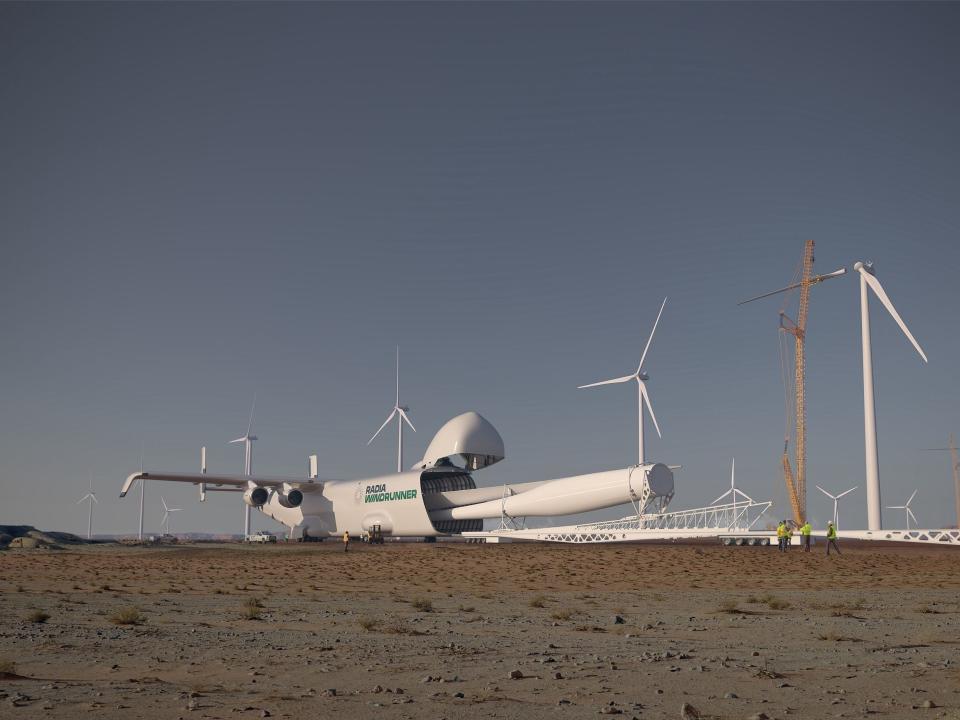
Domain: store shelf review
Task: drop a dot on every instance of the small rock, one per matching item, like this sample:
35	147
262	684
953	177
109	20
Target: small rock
516	675
558	676
618	620
330	692
264	713
378	689
730	696
458	695
689	712
927	704
759	716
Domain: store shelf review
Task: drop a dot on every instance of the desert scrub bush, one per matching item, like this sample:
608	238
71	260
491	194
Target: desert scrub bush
775	603
538	601
127	616
399	628
423	605
253	602
466	608
368	624
37	616
562	614
729	606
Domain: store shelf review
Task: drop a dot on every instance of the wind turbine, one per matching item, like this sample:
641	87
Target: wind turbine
734	490
906	508
836	498
247	441
868	279
642	395
91	498
168	511
401	414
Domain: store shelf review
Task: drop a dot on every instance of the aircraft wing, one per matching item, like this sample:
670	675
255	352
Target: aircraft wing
238	481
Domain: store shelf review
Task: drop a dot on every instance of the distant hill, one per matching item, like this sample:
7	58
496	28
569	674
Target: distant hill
29	536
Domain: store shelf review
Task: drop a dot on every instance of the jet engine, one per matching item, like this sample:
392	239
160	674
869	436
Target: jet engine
256	496
290	499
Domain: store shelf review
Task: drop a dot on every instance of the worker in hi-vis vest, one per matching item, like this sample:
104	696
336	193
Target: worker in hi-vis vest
805	534
787	535
781	534
346	540
832	538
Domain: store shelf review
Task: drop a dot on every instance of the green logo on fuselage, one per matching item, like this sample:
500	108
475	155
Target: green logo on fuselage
378	493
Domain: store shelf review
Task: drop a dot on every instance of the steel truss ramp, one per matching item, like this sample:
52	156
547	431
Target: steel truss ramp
711	521
947	536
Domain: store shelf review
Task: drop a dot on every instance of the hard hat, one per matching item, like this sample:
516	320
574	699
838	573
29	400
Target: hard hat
829	522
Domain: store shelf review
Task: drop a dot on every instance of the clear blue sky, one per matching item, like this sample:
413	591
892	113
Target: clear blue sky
202	201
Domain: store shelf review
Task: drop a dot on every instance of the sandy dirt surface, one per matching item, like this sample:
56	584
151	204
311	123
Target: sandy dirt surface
470	631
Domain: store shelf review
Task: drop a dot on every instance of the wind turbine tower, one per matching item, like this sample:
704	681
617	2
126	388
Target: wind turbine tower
643	397
955	466
247	441
906	509
91	499
836	502
868	279
400	412
167	513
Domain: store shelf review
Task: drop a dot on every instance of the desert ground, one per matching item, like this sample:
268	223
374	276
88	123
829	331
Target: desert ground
467	631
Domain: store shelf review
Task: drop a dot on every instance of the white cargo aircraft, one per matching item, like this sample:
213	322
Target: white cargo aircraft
438	495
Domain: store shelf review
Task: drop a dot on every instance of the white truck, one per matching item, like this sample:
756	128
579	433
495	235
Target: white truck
261	536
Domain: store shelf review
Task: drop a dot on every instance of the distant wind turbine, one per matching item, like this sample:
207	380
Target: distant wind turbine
868	279
400	412
247	441
642	395
168	511
91	499
734	490
836	503
906	508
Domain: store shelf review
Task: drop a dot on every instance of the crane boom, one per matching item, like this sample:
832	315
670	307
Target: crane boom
796	482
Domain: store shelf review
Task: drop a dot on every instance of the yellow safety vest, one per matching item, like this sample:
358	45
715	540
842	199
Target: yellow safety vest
831	532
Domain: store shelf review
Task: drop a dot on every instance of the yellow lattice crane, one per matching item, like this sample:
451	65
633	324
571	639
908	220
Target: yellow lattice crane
796	482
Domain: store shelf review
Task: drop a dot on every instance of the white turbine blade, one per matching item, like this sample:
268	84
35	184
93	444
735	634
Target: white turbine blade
733	472
94	498
164	504
389	418
745	495
828	494
253	406
650	339
910	513
623	379
646	397
721	497
847	492
911	499
231	442
404	416
398	376
880	293
896	507
83	498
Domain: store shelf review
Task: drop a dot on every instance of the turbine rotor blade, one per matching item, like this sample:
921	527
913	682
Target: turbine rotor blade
721	497
231	442
825	493
846	492
910	513
882	295
646	397
650	339
403	416
389	418
911	498
623	379
252	408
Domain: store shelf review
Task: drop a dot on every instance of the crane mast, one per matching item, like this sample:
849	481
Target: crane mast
797	482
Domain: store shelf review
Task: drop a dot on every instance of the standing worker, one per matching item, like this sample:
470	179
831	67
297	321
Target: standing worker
787	536
832	538
805	534
780	535
346	540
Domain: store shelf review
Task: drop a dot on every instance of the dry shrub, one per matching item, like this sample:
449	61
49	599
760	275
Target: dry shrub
423	605
127	616
562	614
729	606
37	616
368	624
538	602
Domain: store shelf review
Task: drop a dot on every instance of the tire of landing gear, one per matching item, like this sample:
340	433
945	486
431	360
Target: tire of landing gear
765	541
739	541
727	541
